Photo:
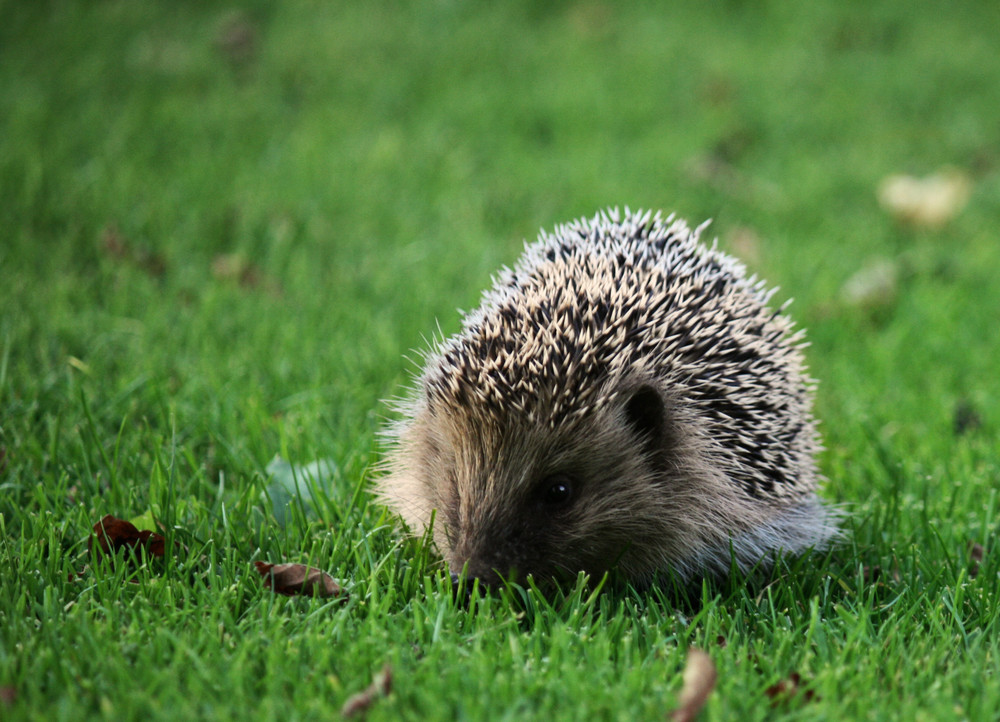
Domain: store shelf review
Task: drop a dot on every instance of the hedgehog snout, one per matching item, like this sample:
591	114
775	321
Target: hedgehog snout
497	547
465	560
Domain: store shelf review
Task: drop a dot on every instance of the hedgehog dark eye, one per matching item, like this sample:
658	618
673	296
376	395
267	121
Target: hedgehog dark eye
556	491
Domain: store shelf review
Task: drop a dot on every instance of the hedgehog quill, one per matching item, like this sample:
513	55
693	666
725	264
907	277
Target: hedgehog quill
624	398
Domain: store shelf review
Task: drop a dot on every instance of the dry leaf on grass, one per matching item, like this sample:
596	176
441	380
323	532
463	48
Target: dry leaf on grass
235	267
237	39
292	579
879	577
358	703
699	680
928	202
976	554
966	417
113	534
874	285
784	690
116	247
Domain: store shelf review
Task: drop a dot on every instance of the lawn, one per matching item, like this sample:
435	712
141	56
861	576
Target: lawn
226	231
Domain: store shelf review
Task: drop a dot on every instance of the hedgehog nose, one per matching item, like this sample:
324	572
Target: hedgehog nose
465	580
461	588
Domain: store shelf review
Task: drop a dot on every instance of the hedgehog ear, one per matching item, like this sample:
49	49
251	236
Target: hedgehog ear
645	413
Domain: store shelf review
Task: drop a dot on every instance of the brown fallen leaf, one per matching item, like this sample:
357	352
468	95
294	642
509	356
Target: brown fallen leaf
114	244
237	40
358	703
8	695
784	690
875	285
113	534
699	680
119	249
928	202
292	579
976	554
237	268
966	418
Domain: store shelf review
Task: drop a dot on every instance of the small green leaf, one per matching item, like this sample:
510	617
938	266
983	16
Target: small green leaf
297	483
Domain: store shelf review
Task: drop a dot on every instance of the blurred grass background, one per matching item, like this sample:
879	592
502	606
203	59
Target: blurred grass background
223	225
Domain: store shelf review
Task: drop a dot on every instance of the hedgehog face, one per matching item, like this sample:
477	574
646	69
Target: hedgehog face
517	498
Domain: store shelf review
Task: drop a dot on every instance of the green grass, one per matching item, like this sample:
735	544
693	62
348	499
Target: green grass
372	168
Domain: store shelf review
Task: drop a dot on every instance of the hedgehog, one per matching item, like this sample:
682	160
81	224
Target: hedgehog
624	399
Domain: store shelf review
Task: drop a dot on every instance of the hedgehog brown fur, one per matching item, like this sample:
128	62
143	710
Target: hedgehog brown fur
624	398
